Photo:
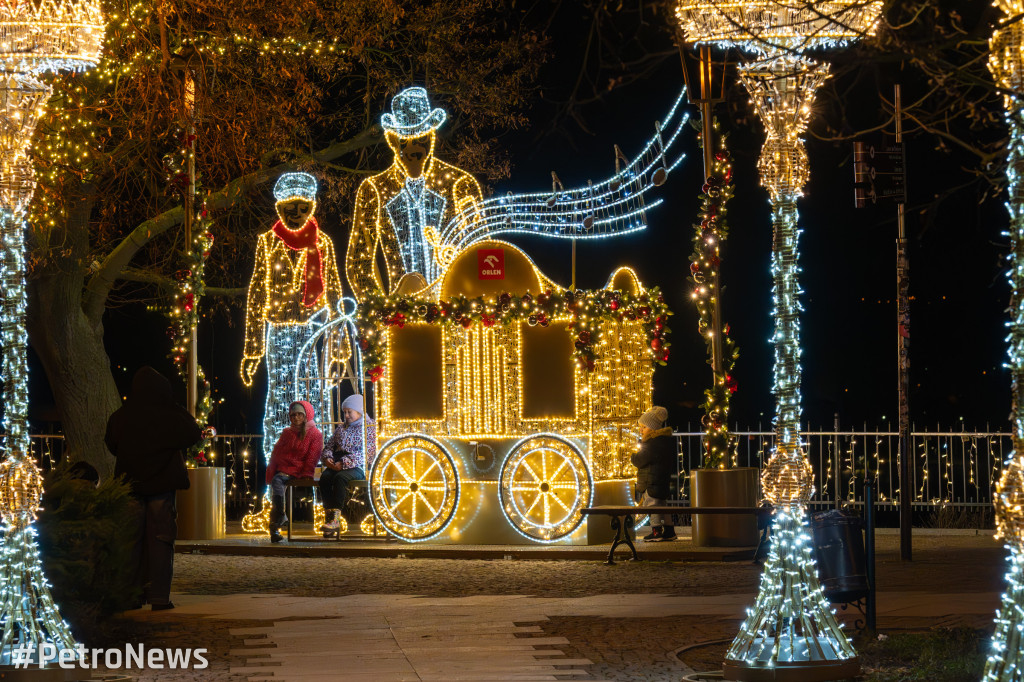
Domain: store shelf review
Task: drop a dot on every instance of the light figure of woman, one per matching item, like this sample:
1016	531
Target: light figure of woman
295	288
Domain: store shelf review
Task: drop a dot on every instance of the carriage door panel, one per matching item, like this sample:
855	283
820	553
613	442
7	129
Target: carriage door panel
548	373
416	373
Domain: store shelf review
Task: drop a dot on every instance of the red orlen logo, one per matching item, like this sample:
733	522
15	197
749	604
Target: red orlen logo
490	263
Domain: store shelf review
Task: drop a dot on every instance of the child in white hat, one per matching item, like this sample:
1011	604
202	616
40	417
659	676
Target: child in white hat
655	464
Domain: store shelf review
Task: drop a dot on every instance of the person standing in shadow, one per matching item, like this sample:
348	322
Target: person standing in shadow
147	436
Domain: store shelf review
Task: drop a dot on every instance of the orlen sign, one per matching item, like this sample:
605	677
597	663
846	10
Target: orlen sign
490	263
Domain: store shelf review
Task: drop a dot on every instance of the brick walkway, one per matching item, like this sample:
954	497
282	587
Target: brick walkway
430	619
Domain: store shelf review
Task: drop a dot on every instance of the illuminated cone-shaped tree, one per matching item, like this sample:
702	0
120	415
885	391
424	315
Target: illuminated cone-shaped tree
1006	660
791	633
36	36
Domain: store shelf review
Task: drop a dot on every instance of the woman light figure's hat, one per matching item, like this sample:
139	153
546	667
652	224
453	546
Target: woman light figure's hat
295	186
411	114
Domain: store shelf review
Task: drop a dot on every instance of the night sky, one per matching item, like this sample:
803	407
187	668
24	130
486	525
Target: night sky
959	293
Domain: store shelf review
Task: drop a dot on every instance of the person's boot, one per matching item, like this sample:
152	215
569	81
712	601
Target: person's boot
654	535
277	518
668	533
333	525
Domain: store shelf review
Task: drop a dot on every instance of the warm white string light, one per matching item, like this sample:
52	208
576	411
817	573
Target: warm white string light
35	38
791	632
1006	62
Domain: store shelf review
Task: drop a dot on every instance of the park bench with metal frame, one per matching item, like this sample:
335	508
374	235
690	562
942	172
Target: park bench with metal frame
623	520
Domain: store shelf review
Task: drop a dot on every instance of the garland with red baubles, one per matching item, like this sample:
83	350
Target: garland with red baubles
586	311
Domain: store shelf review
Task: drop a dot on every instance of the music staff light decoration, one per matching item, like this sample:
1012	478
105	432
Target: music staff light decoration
791	632
609	208
36	37
420	223
1006	62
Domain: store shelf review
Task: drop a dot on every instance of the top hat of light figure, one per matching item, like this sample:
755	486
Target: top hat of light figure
411	115
295	186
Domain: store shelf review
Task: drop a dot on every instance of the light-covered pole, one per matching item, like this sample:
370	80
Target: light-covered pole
791	633
1006	62
36	37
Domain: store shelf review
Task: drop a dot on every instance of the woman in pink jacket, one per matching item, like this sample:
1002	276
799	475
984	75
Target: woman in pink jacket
294	456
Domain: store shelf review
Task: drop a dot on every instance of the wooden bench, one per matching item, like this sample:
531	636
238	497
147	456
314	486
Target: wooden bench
623	519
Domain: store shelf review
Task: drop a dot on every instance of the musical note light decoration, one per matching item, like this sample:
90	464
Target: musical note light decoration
1006	62
791	632
420	223
612	207
35	38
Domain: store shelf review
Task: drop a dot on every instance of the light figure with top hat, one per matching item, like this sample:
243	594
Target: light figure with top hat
295	288
401	211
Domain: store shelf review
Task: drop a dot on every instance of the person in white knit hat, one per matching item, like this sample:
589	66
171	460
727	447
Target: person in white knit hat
655	463
347	456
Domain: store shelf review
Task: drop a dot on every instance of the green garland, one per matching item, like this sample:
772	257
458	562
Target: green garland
184	313
586	310
709	236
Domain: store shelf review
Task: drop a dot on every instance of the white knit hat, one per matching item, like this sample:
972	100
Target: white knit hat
653	418
354	402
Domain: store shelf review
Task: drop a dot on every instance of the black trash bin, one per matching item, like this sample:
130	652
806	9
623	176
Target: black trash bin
839	549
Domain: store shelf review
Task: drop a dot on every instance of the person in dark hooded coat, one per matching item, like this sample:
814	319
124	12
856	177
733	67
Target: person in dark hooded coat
147	435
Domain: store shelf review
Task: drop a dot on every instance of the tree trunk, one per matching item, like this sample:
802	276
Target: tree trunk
69	341
76	365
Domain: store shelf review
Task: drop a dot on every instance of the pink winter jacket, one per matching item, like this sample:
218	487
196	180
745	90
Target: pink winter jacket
293	456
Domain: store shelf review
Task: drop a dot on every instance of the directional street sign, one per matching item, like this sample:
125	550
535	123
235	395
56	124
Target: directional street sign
879	172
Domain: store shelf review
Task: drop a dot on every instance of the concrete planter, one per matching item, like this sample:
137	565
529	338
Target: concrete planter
201	507
724	488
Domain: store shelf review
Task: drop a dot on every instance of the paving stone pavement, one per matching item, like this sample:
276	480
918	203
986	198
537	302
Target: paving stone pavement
426	619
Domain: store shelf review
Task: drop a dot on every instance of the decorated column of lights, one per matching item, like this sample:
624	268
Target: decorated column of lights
184	312
709	236
1006	61
35	38
791	633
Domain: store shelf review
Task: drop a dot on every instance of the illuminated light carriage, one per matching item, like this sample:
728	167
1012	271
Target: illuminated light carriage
505	403
501	414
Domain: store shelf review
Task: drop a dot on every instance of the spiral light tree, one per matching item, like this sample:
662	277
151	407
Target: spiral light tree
36	37
1006	62
791	633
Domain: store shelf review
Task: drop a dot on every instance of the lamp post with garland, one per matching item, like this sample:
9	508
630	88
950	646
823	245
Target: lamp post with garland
791	633
36	37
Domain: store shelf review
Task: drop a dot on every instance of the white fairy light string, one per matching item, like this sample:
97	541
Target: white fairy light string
1006	62
791	632
36	37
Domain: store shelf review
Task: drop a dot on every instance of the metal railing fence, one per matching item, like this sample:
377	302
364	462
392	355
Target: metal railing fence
952	469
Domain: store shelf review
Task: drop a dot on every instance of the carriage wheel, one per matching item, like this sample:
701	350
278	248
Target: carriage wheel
415	488
545	482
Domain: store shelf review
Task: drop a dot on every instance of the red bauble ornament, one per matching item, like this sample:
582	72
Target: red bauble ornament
614	304
466	322
657	344
694	267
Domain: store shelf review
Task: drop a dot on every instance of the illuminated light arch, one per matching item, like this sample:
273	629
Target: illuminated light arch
414	487
544	484
625	275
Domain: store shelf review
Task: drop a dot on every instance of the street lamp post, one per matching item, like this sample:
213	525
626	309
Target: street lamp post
791	633
35	38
